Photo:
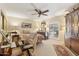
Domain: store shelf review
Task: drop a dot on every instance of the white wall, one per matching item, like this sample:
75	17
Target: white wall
60	20
13	21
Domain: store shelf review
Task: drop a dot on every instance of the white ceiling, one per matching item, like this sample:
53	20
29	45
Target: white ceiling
25	10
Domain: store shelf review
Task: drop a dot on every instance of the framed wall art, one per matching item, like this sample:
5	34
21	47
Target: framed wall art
26	25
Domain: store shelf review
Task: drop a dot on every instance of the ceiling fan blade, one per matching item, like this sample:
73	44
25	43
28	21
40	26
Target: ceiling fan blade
34	14
36	10
45	11
44	14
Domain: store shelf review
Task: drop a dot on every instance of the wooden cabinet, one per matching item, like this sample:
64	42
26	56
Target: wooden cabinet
67	42
75	45
72	31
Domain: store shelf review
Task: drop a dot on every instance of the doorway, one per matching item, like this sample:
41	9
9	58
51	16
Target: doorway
53	31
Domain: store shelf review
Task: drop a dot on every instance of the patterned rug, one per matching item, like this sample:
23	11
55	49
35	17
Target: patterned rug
62	51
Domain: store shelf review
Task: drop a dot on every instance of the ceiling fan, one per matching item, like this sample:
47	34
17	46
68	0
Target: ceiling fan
39	12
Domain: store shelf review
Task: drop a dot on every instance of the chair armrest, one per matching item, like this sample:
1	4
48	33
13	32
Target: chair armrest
27	46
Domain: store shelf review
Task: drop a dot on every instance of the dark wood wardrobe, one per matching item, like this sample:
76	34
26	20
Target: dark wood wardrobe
72	31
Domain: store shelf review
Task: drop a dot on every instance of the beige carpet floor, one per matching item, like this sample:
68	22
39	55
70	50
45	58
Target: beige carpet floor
47	48
44	49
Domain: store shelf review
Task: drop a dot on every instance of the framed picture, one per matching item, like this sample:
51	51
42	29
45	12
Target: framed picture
26	25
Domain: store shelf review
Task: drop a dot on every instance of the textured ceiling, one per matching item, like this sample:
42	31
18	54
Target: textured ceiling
25	10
